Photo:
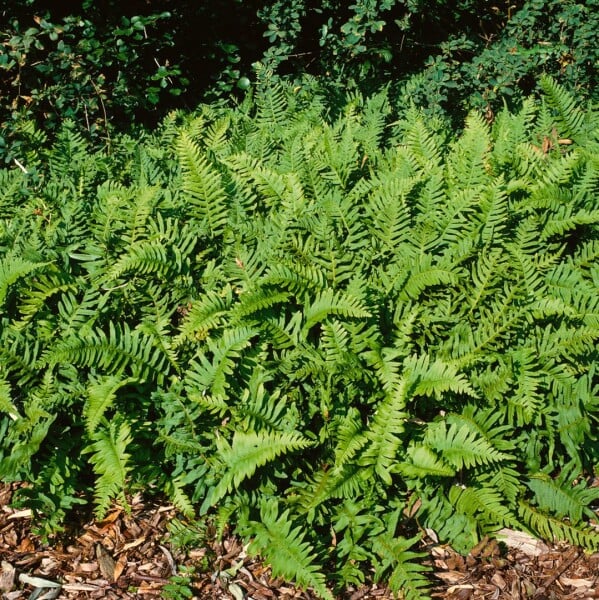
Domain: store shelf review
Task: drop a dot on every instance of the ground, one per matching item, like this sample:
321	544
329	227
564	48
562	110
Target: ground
131	555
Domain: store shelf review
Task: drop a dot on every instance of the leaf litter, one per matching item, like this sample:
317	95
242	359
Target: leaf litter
132	554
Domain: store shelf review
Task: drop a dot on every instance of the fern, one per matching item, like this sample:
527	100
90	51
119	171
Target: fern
460	446
283	546
110	463
292	311
203	185
562	497
571	118
101	395
249	451
12	269
556	529
399	564
121	349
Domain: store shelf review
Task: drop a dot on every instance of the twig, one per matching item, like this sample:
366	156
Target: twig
558	572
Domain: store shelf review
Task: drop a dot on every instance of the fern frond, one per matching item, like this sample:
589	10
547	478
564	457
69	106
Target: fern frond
258	409
425	273
204	314
116	351
423	144
571	119
101	394
110	463
383	432
39	292
271	106
556	529
13	268
468	160
6	403
203	186
460	446
181	501
148	257
248	452
212	373
423	462
436	377
398	565
284	548
331	303
562	497
564	220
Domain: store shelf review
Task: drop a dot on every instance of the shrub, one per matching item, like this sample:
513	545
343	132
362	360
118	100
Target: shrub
544	36
109	66
282	319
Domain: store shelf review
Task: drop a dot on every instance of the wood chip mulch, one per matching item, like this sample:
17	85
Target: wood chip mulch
130	554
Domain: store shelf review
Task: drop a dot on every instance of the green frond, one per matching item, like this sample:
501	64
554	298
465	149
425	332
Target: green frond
176	493
335	340
490	506
468	160
271	106
423	462
203	186
565	220
486	272
79	315
330	302
386	366
511	131
485	422
255	301
119	350
205	314
259	409
39	293
508	481
383	432
217	361
425	273
148	257
110	462
442	513
347	481
436	377
423	144
6	404
562	496
13	268
284	548
101	394
249	451
398	565
524	403
494	213
556	529
388	214
141	208
571	119
460	446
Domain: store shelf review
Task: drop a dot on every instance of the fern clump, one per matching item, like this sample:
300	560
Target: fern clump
281	319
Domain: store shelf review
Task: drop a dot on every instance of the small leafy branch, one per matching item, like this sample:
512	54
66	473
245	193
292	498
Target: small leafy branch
310	328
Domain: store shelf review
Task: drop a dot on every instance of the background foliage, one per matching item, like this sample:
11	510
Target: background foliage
281	314
111	65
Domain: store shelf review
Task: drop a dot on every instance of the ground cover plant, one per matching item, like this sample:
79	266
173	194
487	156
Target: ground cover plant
327	332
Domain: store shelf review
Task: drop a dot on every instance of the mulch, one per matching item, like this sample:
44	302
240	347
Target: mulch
130	554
